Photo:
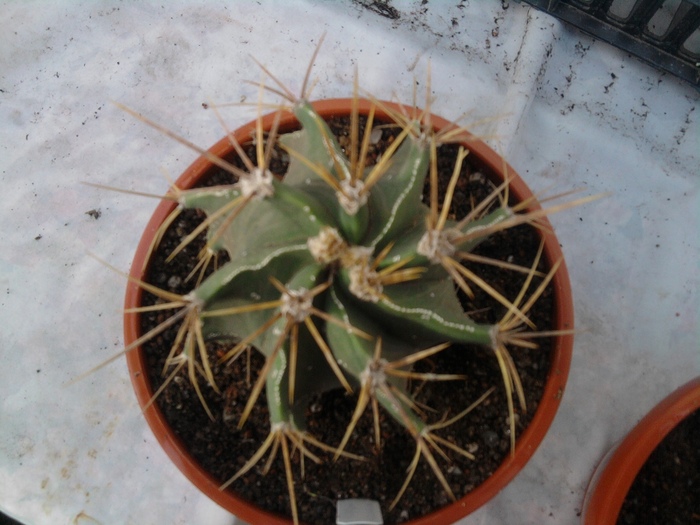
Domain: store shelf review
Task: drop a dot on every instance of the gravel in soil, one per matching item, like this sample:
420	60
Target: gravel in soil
222	448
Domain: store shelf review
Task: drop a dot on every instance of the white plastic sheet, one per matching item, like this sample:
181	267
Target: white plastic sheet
566	110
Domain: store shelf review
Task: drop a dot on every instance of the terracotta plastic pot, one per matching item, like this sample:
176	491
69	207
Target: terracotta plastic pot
489	162
612	479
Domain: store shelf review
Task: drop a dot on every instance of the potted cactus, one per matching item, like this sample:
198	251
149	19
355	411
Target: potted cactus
614	479
341	277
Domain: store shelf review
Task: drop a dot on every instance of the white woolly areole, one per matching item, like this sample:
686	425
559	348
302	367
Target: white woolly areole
258	184
296	305
327	246
192	300
436	244
495	333
350	196
374	374
282	427
356	256
365	283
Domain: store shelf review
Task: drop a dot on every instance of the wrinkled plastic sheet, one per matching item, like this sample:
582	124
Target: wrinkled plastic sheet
566	110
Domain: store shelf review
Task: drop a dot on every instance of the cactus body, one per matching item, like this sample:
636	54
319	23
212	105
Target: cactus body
301	235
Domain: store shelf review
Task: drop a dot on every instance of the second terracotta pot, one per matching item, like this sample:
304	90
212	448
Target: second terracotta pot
616	472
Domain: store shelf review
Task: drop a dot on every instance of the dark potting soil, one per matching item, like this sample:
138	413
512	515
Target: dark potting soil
667	489
222	448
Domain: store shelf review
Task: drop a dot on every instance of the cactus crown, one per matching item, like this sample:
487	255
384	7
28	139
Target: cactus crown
341	276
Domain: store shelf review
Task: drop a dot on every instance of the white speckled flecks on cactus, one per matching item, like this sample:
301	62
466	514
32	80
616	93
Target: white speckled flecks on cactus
566	110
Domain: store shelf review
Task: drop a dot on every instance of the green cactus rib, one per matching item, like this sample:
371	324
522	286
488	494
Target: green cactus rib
404	248
318	152
316	378
396	201
356	355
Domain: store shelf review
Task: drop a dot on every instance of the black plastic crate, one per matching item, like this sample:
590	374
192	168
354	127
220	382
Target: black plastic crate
664	33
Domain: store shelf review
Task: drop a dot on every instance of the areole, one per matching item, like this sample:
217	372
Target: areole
527	443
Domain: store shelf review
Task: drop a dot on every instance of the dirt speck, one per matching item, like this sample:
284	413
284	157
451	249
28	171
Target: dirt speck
380	7
69	466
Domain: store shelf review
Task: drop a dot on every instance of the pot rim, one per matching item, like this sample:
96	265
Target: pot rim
614	475
527	442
